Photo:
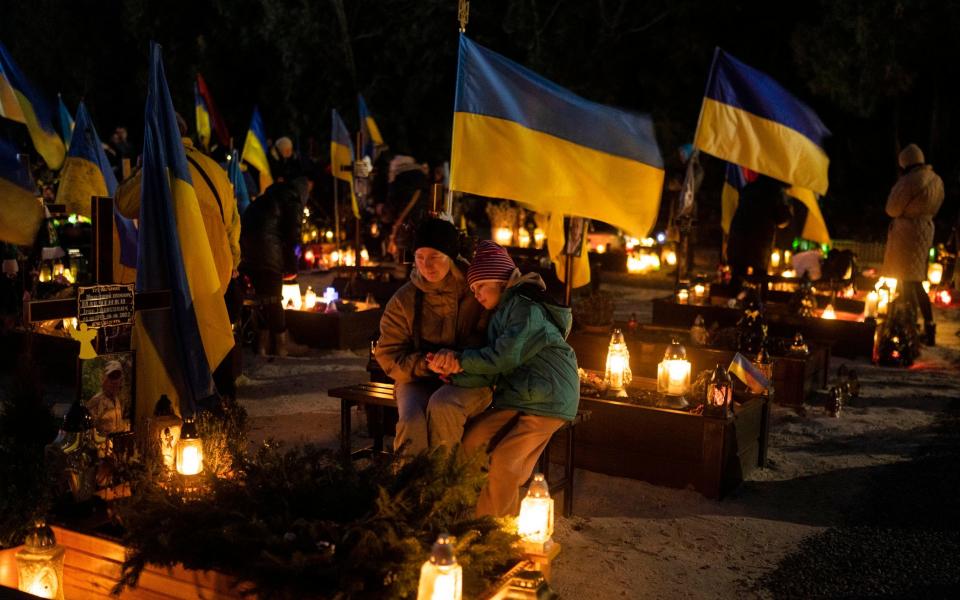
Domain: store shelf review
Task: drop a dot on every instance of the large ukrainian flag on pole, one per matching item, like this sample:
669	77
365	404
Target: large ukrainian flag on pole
20	211
20	102
255	150
341	156
748	119
177	348
517	135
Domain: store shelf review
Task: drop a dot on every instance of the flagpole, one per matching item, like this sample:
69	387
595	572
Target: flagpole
358	151
336	214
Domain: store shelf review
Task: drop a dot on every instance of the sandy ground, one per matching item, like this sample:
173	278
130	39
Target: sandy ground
629	539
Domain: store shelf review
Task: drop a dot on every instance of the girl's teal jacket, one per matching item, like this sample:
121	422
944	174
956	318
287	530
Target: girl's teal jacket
527	361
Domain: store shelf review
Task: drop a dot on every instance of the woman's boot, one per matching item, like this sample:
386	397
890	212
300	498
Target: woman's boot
930	333
287	347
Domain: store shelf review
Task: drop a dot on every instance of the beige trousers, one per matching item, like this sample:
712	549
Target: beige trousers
433	414
512	458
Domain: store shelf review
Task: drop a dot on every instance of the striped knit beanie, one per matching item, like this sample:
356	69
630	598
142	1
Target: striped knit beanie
490	263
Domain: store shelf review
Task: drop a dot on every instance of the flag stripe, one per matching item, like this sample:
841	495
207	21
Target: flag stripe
741	86
491	85
341	155
503	159
761	145
33	111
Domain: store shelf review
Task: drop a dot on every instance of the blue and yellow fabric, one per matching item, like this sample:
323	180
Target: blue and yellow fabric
814	227
369	132
87	173
177	349
21	212
202	116
341	156
517	135
21	103
66	121
748	119
240	192
255	150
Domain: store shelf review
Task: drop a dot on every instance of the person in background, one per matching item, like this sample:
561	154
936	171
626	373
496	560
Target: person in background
913	202
763	208
285	163
531	367
268	245
433	310
106	406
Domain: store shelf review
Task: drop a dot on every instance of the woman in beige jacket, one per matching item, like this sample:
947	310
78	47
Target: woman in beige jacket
913	202
434	310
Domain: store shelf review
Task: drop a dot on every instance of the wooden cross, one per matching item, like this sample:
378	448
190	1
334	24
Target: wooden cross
101	251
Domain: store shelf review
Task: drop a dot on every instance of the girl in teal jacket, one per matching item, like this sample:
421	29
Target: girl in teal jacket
532	369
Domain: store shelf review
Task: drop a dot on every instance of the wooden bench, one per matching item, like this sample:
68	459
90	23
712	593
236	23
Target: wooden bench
380	396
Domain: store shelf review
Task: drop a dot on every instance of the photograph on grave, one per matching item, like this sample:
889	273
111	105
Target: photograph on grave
107	390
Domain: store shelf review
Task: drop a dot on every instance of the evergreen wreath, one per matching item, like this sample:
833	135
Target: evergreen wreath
300	523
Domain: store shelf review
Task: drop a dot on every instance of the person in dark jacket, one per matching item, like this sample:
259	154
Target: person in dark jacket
763	208
531	367
270	232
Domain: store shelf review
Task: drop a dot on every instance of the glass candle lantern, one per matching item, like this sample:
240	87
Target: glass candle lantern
828	313
189	450
46	273
535	523
935	273
799	347
617	374
290	294
524	238
503	236
40	564
670	257
719	393
539	236
683	296
870	305
441	578
673	372
775	260
884	296
699	292
310	299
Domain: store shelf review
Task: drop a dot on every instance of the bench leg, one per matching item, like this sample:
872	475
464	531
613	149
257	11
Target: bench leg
377	430
569	468
345	406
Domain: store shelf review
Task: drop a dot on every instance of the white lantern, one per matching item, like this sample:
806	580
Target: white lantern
775	259
535	522
189	450
618	374
290	295
870	305
699	292
683	296
40	564
503	236
539	236
670	257
673	373
441	578
885	295
828	313
310	299
935	273
524	238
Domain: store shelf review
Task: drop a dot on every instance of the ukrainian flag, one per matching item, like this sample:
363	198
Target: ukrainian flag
209	120
749	374
517	135
21	213
748	119
66	121
341	156
177	348
239	183
87	173
202	116
20	102
255	150
369	132
814	228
